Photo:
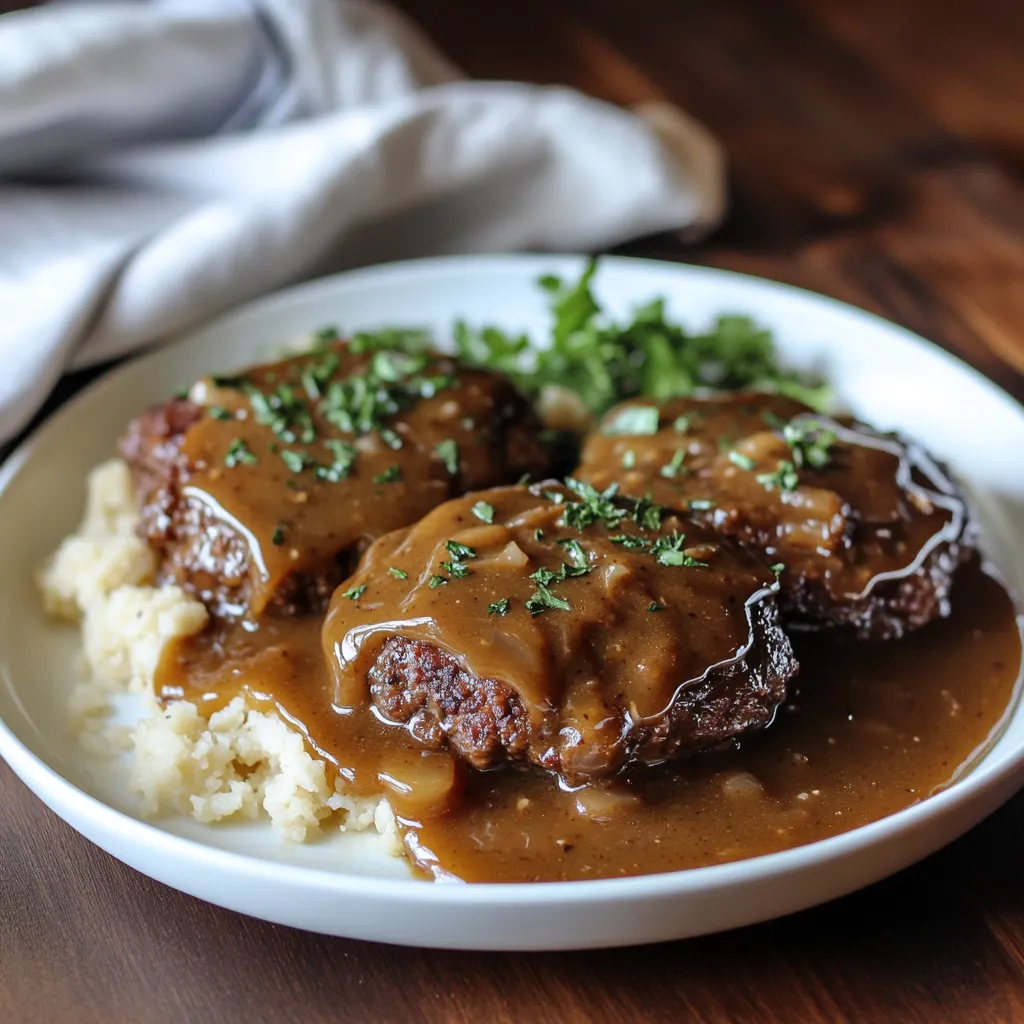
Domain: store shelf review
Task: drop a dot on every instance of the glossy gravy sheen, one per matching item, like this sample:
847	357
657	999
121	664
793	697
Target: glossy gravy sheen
869	729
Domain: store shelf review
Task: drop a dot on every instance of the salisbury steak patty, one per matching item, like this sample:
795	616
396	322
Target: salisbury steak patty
867	528
259	491
560	627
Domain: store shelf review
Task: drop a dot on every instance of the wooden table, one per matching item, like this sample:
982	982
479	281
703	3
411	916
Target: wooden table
876	151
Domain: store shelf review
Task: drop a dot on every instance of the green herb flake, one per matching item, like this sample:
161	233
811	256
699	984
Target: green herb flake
628	459
669	551
700	504
499	607
784	478
326	335
448	451
483	512
239	453
810	443
741	460
278	538
577	556
355	593
436	581
543	599
390	438
633	421
647	514
594	506
681	424
295	461
389	476
399	574
344	458
631	541
777	568
538	534
655	607
218	412
672	469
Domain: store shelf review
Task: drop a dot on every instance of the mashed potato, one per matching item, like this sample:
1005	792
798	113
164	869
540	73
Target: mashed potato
239	763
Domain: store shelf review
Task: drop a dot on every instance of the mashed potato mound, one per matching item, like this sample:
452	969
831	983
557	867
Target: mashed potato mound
238	763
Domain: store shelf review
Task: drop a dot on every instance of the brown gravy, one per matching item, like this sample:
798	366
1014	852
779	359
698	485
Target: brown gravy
869	729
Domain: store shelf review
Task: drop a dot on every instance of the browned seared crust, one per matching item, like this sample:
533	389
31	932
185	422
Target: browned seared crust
483	720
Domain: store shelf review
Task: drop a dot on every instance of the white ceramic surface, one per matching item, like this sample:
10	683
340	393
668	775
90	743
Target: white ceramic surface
344	886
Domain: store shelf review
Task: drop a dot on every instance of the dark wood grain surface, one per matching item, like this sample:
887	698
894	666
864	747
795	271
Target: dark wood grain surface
876	152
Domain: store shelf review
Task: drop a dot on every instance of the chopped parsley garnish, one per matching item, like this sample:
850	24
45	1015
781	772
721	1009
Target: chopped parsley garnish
283	411
543	599
681	424
631	541
295	461
777	568
344	457
390	438
633	421
278	538
784	478
810	443
499	607
669	551
218	412
389	476
577	556
605	360
448	451
238	453
673	468
655	607
401	339
456	567
326	335
741	460
483	512
647	514
355	592
700	504
538	534
594	506
437	581
628	459
399	574
460	551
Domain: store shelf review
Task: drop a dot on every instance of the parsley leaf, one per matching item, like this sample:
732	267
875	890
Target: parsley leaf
784	478
483	512
594	506
633	421
543	599
741	460
239	453
673	468
499	607
399	574
355	593
448	451
669	551
389	476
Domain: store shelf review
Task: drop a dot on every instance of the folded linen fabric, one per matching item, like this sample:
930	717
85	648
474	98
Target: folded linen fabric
162	160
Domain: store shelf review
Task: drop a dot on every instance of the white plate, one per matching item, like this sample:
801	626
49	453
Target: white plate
344	887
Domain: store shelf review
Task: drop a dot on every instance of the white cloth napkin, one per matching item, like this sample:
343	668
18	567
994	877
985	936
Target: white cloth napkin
161	160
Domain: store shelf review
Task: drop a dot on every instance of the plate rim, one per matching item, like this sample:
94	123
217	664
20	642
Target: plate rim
56	791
